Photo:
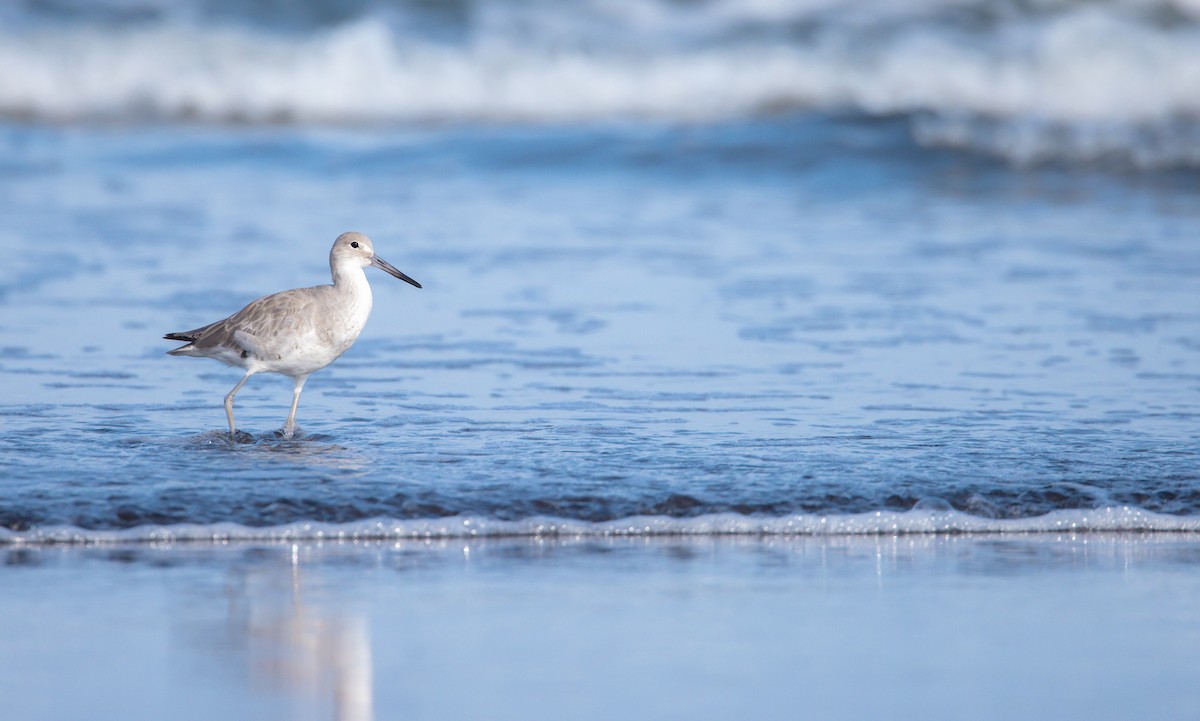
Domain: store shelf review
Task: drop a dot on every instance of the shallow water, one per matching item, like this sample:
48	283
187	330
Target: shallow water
807	316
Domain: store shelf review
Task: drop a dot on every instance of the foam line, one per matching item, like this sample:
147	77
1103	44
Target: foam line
1103	520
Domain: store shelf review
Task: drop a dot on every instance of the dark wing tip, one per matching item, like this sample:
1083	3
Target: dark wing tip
179	337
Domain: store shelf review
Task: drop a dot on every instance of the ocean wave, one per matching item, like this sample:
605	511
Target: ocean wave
1055	81
1123	519
1085	68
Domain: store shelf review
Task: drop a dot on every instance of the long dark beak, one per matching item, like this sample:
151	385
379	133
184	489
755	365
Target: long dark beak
387	267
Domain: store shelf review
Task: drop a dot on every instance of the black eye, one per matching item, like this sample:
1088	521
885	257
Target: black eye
354	244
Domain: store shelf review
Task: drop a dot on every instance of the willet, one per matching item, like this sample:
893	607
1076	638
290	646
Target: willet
295	332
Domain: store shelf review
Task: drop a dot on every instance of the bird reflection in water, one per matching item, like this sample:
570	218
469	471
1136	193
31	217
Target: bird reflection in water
318	658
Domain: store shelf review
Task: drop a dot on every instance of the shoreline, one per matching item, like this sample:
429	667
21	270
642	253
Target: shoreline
1112	520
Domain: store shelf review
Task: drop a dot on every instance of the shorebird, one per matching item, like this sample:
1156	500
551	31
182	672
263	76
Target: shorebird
294	332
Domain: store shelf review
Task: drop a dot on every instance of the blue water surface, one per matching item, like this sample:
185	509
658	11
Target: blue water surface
807	315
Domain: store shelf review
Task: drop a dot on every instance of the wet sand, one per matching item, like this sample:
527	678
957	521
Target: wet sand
1097	626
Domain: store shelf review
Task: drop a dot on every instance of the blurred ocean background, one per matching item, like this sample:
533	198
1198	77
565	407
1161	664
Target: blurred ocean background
770	266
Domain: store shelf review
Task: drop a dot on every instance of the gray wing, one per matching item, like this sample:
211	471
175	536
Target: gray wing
253	329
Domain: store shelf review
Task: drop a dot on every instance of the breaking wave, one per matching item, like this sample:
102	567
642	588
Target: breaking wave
1038	81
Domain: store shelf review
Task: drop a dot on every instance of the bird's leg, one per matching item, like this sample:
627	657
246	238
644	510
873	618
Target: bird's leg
229	400
289	428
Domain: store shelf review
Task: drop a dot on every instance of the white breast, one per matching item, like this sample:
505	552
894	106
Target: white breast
322	331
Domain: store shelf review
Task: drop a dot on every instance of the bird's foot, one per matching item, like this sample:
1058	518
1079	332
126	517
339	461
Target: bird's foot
288	431
240	437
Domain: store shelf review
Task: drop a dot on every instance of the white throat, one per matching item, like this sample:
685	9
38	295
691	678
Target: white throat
350	280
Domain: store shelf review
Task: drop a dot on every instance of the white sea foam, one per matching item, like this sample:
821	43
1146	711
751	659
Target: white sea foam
1060	81
1083	66
1102	520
